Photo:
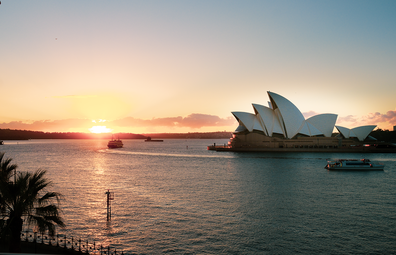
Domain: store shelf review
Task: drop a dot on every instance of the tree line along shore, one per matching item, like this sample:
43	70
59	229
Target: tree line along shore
11	134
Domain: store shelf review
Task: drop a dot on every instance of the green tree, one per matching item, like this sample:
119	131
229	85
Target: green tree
26	199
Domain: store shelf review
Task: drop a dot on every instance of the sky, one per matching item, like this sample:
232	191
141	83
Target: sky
170	66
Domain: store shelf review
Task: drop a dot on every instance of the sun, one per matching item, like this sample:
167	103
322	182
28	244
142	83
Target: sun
100	129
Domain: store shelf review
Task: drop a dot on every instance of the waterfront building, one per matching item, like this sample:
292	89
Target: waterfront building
282	127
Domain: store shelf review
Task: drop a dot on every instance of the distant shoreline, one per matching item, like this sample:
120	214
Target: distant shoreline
9	134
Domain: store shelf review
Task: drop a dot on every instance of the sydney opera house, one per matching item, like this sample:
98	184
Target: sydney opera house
282	127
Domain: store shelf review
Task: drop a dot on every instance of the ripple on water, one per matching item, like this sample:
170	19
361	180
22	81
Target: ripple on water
170	199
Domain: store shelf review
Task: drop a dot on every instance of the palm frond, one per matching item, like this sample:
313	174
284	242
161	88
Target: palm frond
26	196
6	168
48	197
45	223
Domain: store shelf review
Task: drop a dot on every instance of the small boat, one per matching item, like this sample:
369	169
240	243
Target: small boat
115	143
152	140
1	142
354	165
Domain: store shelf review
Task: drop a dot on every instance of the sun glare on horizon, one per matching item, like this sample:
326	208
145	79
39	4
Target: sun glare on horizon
100	129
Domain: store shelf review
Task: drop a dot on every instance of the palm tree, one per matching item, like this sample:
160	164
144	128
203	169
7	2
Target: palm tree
26	198
7	168
6	171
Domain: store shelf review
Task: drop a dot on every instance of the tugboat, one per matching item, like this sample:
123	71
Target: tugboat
354	165
152	140
115	143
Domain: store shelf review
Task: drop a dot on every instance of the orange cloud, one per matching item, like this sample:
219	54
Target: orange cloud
383	121
193	121
349	119
377	117
47	125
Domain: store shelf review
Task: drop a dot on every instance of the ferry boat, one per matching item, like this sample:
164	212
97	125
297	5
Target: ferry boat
115	143
353	165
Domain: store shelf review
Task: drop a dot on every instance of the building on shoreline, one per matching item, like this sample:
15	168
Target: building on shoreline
282	127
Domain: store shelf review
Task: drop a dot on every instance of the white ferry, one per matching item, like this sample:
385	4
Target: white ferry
354	165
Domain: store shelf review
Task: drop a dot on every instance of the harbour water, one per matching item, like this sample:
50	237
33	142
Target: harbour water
177	197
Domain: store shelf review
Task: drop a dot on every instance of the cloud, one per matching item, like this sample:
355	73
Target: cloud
47	125
197	120
193	121
377	117
349	119
383	121
309	114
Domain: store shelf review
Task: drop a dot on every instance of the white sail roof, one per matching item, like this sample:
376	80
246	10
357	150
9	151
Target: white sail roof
324	123
343	131
266	117
305	130
313	130
360	133
363	131
283	117
246	119
240	128
291	119
257	126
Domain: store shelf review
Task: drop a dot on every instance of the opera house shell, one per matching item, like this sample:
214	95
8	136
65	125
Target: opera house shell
282	127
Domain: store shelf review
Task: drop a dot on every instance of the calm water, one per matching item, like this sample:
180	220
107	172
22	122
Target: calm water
177	197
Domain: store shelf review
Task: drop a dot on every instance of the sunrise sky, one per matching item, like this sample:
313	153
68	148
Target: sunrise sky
184	66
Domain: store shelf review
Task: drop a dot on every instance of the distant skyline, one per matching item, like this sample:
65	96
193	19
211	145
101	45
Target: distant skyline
184	66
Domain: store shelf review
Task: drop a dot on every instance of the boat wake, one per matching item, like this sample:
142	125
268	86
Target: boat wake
166	154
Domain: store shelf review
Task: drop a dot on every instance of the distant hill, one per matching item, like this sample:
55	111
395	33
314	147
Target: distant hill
10	134
197	135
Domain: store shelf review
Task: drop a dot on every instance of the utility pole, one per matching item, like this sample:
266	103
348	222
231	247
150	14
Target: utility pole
110	196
